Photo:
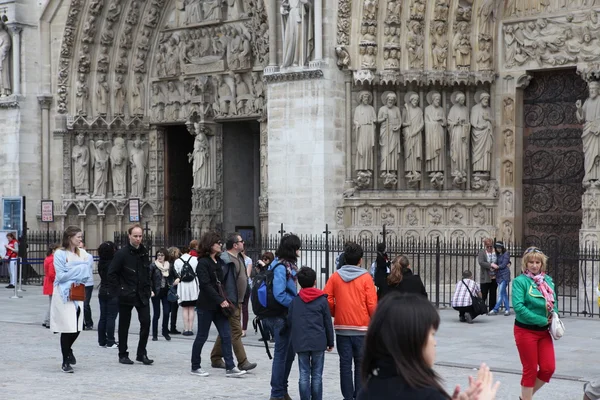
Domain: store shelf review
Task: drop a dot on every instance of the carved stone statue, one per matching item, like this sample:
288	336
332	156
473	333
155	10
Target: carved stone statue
368	57
589	115
138	158
459	129
80	155
297	21
439	51
138	96
482	133
102	91
5	60
412	128
118	164
258	90
390	118
224	96
414	44
461	45
193	12
484	57
435	123
100	165
508	111
244	98
158	103
364	128
120	93
235	9
200	160
486	17
82	94
173	102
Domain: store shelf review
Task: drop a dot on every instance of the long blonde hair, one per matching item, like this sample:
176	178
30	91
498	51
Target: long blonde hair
396	274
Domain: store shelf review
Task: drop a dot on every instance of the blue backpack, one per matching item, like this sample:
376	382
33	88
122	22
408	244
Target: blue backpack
264	303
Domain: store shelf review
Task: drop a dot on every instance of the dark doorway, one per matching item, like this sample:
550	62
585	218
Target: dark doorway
241	176
553	168
178	180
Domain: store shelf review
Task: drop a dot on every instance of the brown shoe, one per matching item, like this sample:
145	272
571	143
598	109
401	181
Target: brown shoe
218	364
247	366
286	397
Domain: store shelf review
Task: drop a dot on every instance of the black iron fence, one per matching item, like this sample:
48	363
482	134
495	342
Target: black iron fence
439	262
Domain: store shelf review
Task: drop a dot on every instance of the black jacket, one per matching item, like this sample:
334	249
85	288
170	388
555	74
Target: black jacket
310	324
388	385
157	278
381	273
231	276
104	287
207	272
129	274
410	283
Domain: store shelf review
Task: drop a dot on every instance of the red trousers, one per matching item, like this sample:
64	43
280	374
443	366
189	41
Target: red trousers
536	351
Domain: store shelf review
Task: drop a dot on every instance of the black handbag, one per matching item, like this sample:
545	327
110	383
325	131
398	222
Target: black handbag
228	311
172	295
479	307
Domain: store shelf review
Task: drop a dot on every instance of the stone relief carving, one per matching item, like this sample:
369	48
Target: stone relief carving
417	10
461	45
435	216
297	22
343	23
5	61
479	215
173	105
508	173
439	51
339	216
456	216
343	57
80	155
460	128
200	159
138	158
507	232
368	57
366	216
81	107
118	163
435	123
589	115
390	118
482	135
412	217
364	130
412	129
159	101
485	60
509	141
120	93
99	161
138	96
388	216
508	202
65	54
508	112
414	44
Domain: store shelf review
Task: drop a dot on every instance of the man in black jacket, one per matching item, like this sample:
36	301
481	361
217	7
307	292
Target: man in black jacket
129	274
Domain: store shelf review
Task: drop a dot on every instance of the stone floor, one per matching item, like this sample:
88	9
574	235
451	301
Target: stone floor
30	361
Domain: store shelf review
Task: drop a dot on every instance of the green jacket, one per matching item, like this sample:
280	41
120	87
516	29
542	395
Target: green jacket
529	303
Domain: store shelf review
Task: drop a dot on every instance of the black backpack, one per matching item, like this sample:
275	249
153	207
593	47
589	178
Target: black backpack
264	303
187	272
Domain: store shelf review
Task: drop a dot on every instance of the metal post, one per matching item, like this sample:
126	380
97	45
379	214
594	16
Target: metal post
20	268
15	295
384	233
281	231
437	271
326	232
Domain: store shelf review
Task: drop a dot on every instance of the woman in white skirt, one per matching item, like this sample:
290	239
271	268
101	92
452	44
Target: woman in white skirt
71	266
187	289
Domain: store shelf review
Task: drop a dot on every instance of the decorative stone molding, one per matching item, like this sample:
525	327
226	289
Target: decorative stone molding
363	77
523	81
344	22
11	101
287	76
66	52
45	100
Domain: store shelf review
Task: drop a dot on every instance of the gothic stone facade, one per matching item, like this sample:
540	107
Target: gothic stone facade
409	113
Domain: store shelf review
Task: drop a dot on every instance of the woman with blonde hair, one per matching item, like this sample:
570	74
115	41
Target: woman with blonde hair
401	279
72	268
534	300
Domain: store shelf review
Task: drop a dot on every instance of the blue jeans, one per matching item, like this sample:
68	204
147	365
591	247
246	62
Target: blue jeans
503	291
283	356
109	308
205	318
159	298
349	348
310	384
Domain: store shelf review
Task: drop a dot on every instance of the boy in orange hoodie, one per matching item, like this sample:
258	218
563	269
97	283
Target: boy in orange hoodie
352	300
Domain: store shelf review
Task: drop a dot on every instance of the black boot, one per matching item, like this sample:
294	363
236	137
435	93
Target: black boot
144	360
66	367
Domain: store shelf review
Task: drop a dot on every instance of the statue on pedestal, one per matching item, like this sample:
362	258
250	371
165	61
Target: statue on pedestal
412	127
200	160
297	21
482	133
589	115
5	46
364	128
138	158
435	122
80	155
118	164
390	118
459	129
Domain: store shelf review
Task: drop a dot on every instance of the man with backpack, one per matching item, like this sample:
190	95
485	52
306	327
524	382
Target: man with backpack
235	283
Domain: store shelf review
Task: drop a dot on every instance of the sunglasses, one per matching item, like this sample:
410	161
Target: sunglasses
533	250
219	243
239	241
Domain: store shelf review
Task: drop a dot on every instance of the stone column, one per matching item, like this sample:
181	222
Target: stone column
101	219
263	199
318	58
348	142
45	100
272	14
15	30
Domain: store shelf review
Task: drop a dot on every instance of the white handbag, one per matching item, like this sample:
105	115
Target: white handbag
557	328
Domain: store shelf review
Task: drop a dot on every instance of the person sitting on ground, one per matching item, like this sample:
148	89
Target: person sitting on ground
502	278
462	301
309	321
401	279
399	354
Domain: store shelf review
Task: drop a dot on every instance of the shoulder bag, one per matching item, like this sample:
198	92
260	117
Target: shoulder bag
557	328
77	292
228	311
478	304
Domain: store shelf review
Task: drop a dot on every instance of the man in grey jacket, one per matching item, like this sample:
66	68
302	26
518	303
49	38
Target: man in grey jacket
235	284
487	278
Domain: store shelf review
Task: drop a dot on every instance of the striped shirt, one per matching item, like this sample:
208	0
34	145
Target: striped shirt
461	297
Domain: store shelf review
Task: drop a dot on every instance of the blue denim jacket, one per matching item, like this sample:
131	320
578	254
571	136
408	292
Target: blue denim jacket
284	290
503	272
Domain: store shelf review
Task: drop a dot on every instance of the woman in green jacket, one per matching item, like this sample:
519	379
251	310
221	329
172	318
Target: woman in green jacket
534	300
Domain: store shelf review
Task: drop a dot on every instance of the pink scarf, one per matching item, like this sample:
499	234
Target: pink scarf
544	288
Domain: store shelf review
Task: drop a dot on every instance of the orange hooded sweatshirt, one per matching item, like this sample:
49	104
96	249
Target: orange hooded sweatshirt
352	300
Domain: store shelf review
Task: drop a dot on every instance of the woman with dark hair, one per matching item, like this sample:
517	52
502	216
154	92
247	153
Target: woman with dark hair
162	279
109	302
49	276
263	265
173	255
502	278
12	253
401	279
210	305
399	354
284	290
72	268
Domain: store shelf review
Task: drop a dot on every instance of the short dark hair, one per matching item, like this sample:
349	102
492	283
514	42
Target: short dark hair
381	247
11	234
306	277
288	246
232	238
51	248
132	227
107	250
268	255
162	251
467	274
399	329
353	253
206	242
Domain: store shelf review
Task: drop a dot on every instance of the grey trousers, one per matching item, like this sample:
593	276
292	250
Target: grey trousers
47	317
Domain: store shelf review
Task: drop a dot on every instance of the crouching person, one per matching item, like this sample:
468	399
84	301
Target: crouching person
309	321
462	301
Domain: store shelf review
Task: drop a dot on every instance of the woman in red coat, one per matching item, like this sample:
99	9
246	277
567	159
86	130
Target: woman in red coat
49	275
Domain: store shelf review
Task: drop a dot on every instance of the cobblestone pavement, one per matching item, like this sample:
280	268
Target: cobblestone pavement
30	361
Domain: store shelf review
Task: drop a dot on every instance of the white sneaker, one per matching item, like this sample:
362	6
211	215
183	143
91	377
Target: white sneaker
493	312
199	372
506	313
112	346
234	373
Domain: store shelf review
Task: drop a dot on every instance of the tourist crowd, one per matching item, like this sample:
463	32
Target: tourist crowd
383	324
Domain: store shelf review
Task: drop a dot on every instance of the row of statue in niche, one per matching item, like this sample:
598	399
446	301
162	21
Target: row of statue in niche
122	158
401	133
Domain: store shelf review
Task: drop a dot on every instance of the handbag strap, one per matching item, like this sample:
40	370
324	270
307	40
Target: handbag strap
467	286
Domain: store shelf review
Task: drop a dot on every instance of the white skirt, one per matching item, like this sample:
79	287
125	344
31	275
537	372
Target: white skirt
188	291
63	316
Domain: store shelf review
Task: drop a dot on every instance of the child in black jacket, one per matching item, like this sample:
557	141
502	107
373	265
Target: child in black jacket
311	328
